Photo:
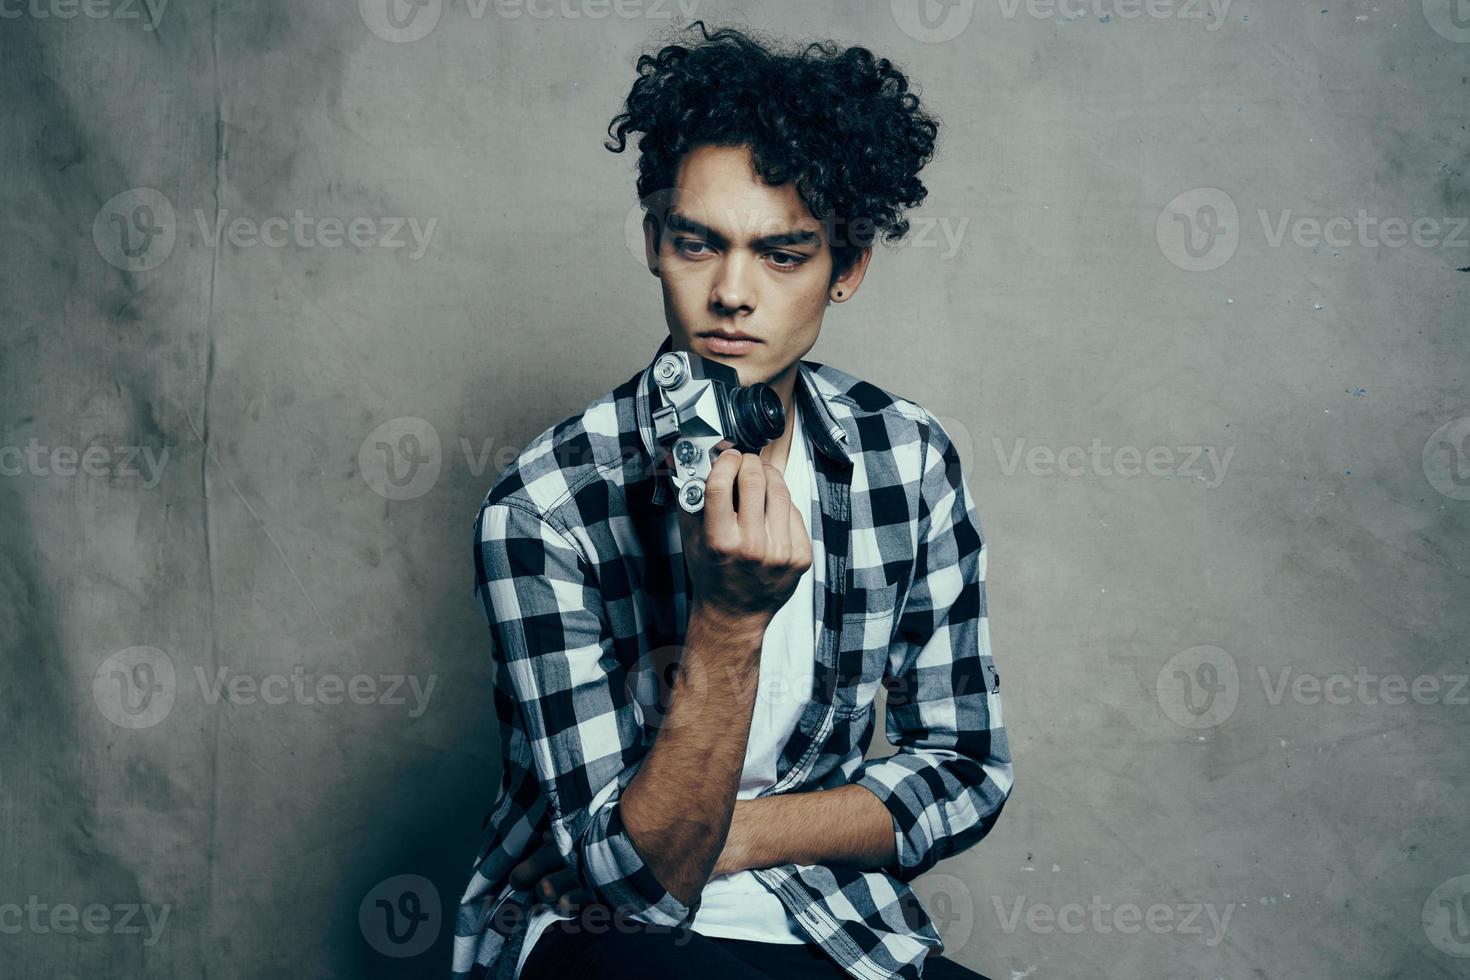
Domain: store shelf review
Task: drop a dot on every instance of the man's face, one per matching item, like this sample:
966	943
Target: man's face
738	255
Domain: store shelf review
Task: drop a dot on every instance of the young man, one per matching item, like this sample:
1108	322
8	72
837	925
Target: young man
685	700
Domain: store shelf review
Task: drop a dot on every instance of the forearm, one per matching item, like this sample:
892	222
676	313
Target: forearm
678	807
846	825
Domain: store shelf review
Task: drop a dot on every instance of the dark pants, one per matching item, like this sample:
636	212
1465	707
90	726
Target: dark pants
610	948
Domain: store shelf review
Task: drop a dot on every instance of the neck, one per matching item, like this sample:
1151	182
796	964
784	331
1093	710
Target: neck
778	450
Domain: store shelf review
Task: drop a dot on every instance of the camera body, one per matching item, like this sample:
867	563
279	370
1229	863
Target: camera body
702	411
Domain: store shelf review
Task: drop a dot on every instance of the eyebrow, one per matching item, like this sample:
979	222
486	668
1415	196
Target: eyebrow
684	223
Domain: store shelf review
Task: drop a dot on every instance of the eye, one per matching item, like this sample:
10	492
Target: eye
689	245
787	260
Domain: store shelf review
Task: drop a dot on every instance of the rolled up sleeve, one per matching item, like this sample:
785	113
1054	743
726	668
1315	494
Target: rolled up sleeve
549	632
948	781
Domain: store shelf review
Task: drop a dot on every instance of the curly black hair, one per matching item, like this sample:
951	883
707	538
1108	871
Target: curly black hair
840	123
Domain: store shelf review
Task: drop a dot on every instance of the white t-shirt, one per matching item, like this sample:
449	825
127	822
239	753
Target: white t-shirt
738	906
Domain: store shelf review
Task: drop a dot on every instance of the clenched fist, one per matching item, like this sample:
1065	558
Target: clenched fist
746	563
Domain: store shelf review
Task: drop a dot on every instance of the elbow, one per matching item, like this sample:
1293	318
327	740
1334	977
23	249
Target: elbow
611	868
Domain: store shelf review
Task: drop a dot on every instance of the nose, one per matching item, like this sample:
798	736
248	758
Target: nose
733	290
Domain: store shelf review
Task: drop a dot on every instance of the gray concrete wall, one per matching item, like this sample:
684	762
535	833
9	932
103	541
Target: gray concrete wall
1203	613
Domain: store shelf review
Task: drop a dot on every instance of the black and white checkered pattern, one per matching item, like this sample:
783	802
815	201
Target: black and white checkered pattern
579	572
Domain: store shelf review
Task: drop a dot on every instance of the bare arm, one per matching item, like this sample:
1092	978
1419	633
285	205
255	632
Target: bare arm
744	566
678	807
846	825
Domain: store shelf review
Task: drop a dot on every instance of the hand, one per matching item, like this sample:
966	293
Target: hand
745	566
549	878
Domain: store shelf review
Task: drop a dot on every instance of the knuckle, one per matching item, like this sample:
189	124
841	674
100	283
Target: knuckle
721	544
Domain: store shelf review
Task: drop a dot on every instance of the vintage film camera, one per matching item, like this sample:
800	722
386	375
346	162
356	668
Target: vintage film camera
702	411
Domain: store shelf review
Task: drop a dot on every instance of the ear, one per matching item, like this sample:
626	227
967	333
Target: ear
845	285
651	237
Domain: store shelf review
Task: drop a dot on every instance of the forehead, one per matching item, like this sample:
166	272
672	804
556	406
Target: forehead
718	186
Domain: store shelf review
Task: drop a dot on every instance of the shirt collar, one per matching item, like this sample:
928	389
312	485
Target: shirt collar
826	433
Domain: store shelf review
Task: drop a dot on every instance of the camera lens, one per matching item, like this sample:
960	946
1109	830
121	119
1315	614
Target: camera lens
758	416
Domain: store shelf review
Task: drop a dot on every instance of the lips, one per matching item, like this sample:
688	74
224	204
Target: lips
716	335
720	344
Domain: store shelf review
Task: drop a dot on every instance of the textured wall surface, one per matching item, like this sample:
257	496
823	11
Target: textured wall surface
1190	287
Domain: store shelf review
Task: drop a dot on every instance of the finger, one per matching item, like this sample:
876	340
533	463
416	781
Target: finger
801	544
720	527
557	884
752	516
573	900
778	524
544	860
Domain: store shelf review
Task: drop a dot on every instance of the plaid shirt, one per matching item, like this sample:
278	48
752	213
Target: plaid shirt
579	572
